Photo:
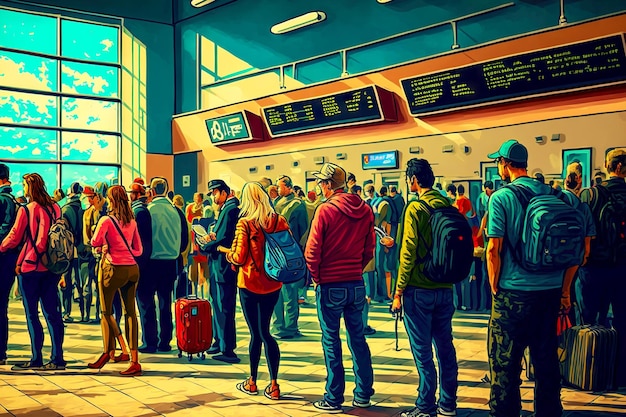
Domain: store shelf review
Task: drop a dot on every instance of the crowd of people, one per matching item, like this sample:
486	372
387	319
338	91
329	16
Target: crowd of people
138	247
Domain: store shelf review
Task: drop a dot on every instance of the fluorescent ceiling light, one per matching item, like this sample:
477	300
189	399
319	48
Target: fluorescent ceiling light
298	22
384	1
201	3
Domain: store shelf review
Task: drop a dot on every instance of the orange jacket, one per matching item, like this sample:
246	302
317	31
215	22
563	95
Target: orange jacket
248	253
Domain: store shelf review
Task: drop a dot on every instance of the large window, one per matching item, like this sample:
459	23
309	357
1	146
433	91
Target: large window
60	100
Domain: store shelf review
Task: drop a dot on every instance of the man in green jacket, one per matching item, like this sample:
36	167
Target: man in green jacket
428	306
287	309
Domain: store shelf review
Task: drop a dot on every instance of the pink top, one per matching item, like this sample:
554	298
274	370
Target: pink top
117	252
39	224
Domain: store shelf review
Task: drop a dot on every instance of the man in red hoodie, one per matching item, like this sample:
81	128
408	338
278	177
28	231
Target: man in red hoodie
340	244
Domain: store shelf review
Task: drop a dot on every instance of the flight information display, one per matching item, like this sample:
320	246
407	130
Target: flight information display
549	71
345	108
241	126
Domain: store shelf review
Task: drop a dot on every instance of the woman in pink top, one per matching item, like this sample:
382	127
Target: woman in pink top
36	283
117	238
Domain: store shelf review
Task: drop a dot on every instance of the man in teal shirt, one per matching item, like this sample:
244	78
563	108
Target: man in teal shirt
525	303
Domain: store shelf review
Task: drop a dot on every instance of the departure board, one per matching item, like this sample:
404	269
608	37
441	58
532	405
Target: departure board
347	108
569	67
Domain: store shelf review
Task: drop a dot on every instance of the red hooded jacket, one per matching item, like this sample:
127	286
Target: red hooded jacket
341	241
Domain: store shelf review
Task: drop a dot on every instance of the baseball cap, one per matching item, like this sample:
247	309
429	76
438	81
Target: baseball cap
75	188
511	150
136	188
213	184
88	191
333	173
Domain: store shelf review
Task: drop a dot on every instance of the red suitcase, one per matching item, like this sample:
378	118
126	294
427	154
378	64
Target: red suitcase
194	329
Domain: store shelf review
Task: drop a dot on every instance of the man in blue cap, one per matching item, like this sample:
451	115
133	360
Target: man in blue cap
527	295
223	286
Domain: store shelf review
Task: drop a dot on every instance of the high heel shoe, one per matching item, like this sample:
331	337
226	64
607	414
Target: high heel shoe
102	360
122	357
133	370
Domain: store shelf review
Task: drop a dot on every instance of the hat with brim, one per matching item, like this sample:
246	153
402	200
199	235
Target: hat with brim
511	150
333	173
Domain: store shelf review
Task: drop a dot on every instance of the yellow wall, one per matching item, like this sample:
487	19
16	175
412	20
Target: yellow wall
594	118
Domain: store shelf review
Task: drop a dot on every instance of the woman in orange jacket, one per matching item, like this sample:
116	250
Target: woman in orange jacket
258	293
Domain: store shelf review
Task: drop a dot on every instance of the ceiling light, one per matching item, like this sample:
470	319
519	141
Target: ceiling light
384	1
201	3
298	22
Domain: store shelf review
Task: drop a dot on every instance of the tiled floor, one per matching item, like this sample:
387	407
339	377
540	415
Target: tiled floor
175	387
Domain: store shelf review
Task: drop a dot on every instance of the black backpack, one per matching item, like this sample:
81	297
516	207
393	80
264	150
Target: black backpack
450	257
609	246
10	205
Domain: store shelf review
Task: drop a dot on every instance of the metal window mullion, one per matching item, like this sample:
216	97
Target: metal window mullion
59	102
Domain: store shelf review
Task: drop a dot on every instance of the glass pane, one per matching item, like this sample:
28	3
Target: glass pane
30	32
47	171
25	143
25	108
83	113
27	71
87	174
88	79
92	147
89	41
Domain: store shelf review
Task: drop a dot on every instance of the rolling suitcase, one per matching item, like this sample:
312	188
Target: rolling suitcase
590	354
194	328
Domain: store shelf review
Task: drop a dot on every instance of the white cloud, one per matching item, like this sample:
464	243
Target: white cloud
33	141
107	45
13	73
36	151
13	149
96	84
91	114
20	103
88	144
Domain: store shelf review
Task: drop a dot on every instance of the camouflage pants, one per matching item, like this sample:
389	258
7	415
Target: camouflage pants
520	319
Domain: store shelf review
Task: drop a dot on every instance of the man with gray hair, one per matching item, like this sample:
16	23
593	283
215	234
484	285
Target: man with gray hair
166	247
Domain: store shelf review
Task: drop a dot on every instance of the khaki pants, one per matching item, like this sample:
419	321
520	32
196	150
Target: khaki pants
122	278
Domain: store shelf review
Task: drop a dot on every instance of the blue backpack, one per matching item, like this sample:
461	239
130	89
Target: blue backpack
553	234
450	257
284	260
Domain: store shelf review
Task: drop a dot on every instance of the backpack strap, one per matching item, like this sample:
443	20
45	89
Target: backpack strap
113	220
32	239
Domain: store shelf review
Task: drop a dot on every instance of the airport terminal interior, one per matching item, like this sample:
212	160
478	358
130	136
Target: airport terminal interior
195	91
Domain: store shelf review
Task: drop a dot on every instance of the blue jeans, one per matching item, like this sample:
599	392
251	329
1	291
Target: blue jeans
333	301
36	287
428	321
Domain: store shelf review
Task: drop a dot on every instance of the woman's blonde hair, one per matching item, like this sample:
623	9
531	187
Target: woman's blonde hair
255	204
119	206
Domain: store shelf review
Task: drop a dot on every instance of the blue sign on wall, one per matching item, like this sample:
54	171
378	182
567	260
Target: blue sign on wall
380	160
569	67
230	128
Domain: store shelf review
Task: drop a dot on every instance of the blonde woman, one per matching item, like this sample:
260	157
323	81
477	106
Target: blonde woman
258	293
117	237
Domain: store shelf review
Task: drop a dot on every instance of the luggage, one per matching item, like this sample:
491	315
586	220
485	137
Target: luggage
194	326
590	354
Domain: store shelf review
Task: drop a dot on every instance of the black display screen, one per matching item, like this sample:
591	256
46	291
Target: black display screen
569	67
341	109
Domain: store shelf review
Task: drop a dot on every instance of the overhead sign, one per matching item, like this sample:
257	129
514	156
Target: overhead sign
233	128
364	105
380	160
549	71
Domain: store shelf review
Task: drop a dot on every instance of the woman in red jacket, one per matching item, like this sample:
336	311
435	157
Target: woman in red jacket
258	293
37	284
